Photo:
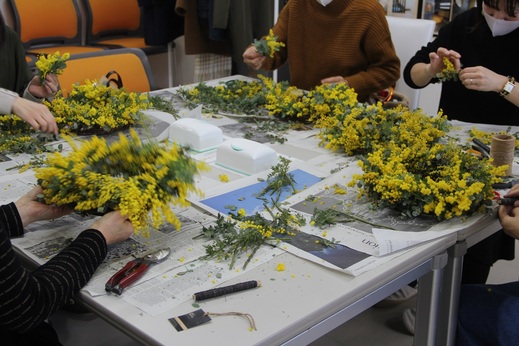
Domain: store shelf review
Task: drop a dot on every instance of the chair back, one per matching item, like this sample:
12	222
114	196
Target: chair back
409	35
112	18
46	22
130	63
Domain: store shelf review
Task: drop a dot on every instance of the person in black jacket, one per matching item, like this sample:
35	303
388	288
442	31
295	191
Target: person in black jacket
27	298
482	45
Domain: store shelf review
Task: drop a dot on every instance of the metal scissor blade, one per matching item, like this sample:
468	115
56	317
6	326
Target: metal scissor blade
134	269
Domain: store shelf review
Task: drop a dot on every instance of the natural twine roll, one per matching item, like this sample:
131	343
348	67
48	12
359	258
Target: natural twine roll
502	151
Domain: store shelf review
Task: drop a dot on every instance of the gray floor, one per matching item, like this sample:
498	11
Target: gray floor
375	326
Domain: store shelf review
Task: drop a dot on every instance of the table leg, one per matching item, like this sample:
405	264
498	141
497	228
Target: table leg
428	302
451	294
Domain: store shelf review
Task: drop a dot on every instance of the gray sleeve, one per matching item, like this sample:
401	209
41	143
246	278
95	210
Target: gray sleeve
27	95
7	98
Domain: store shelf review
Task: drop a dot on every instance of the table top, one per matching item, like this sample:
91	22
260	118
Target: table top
289	302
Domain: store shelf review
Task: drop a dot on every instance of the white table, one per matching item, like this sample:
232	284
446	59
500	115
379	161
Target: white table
293	307
306	301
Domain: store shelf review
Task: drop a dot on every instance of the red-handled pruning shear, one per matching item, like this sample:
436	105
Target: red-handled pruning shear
134	270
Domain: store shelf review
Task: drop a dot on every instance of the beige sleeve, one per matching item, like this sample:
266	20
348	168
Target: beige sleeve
7	98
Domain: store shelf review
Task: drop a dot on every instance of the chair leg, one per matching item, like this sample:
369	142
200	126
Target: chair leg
171	63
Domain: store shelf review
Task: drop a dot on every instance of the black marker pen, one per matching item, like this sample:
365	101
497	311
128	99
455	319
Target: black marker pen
507	201
220	291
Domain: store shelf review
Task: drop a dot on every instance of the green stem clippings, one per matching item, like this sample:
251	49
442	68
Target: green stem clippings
230	239
328	217
278	178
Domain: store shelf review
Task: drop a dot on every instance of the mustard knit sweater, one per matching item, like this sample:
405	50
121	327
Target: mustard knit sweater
348	38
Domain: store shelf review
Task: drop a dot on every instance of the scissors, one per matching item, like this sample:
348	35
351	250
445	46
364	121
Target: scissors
481	147
134	270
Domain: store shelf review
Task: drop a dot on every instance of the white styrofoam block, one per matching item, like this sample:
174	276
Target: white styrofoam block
195	134
245	156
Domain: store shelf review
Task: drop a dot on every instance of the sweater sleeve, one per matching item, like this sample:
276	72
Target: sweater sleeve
28	298
382	64
422	56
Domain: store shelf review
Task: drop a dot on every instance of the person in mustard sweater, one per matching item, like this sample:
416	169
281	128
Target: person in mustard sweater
332	41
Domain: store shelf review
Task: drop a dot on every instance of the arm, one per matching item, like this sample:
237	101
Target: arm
482	79
421	73
382	64
27	299
421	69
509	215
36	114
37	91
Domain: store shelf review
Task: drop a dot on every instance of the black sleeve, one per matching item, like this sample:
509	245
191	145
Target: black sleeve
28	298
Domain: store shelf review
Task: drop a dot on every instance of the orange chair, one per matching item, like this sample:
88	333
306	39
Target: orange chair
116	23
49	26
130	63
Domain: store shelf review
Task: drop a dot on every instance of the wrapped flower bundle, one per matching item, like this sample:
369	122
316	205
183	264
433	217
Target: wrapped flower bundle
357	130
441	180
95	108
139	179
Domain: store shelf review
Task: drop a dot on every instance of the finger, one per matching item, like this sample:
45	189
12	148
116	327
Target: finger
50	123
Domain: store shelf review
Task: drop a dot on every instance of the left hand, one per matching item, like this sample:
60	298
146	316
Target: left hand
44	90
31	210
482	79
334	80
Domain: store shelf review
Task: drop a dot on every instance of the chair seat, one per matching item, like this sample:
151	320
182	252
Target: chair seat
132	65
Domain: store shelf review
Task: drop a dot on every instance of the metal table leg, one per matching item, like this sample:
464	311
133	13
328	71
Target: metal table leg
428	302
451	294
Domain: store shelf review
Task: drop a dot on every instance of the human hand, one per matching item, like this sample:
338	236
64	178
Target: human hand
513	193
482	79
509	218
36	114
436	58
114	226
31	210
44	90
334	80
252	58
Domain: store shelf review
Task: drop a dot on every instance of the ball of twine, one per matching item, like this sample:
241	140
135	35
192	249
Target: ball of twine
502	151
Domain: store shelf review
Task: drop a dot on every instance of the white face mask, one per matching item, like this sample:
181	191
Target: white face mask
500	27
324	2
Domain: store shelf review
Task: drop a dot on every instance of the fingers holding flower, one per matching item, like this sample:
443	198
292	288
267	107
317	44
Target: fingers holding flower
253	58
46	89
445	64
45	84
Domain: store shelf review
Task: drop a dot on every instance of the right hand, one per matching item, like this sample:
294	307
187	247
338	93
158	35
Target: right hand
114	226
436	64
36	114
252	58
509	215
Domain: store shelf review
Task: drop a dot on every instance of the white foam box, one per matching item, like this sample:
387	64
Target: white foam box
245	156
195	134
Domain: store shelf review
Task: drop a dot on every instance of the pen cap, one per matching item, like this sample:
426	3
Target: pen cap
502	151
